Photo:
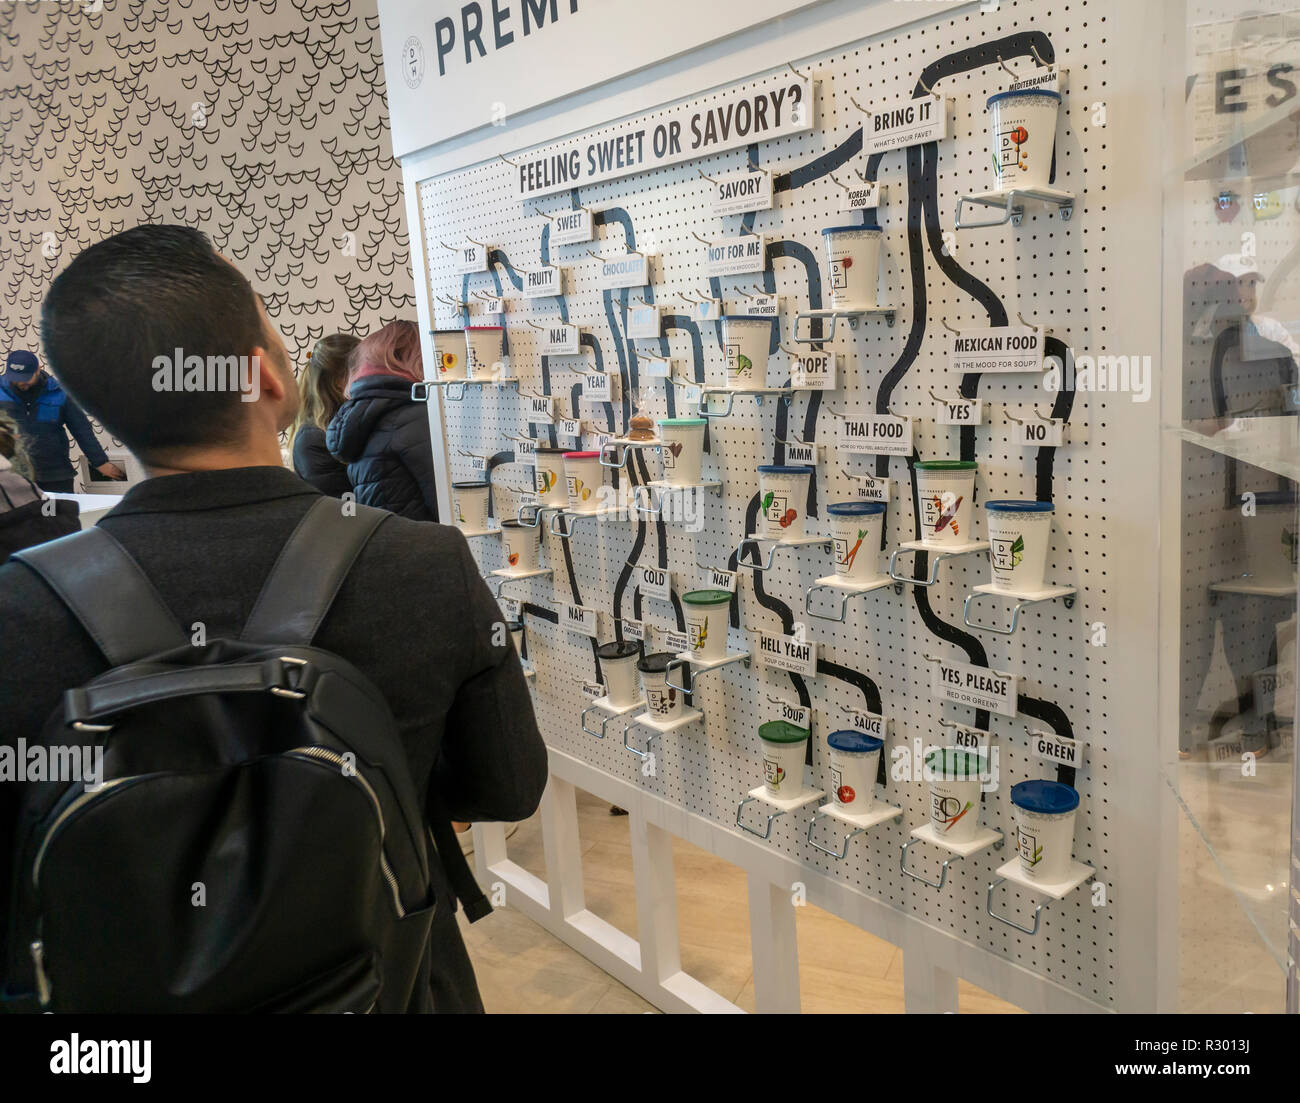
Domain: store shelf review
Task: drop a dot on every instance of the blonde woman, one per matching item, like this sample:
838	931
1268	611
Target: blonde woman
321	385
27	517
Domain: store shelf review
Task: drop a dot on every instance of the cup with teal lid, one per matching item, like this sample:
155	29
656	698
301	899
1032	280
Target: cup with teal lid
683	449
1045	813
855	538
855	760
783	500
944	492
954	774
784	748
706	613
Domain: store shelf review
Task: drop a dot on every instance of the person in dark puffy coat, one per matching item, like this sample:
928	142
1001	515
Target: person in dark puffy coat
380	432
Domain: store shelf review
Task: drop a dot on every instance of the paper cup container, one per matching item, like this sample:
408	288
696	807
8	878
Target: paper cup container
662	701
683	450
618	669
449	354
746	342
1018	535
584	477
783	498
853	259
783	746
484	344
548	478
1045	828
519	546
855	758
706	622
471	506
1022	134
944	490
855	538
954	777
1270	540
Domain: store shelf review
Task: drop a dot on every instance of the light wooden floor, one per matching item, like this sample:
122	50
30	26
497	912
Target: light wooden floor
523	968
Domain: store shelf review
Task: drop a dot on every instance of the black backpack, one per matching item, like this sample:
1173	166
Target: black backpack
256	842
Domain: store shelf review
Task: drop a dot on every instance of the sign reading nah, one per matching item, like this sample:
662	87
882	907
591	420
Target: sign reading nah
480	56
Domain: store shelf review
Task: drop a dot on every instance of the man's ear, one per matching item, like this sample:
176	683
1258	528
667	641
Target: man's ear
269	381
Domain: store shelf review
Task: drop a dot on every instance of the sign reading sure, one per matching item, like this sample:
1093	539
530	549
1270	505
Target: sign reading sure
977	687
997	349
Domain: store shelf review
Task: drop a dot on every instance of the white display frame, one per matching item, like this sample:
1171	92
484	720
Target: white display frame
933	958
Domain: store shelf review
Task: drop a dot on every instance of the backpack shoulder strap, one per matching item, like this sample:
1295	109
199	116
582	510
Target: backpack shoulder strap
309	571
105	589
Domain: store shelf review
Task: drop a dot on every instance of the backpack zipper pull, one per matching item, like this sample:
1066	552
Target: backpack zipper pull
42	981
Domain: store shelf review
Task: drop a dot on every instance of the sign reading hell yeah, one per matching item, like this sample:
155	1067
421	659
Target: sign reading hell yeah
752	112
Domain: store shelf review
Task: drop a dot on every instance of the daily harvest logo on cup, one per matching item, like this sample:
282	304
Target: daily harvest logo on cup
179	374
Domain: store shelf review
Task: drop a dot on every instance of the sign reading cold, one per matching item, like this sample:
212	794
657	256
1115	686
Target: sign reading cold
753	112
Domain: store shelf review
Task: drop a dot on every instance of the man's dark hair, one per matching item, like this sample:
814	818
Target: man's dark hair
144	293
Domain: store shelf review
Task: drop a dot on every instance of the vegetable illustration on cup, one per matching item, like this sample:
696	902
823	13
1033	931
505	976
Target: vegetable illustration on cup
947	511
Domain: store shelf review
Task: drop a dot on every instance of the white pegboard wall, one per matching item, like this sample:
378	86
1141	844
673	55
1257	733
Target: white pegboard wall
1051	272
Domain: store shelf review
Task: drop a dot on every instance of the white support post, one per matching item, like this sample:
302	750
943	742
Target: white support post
927	989
775	947
656	899
563	849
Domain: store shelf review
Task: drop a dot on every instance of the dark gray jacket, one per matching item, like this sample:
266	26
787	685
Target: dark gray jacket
382	434
413	615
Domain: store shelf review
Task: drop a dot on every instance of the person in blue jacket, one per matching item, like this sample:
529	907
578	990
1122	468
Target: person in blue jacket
45	415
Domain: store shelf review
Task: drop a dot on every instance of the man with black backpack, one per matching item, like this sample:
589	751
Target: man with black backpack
290	696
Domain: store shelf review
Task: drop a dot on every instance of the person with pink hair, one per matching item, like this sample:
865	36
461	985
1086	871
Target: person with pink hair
380	433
